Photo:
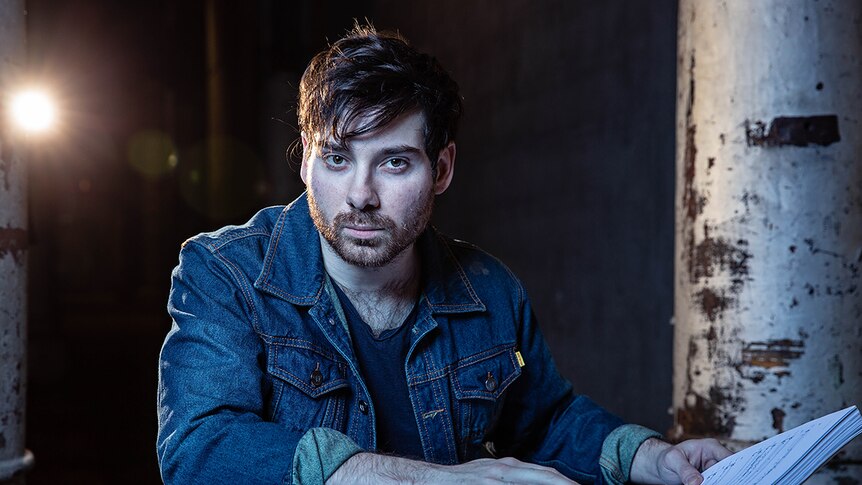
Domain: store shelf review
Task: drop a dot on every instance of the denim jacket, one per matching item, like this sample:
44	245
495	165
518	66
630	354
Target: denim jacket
258	382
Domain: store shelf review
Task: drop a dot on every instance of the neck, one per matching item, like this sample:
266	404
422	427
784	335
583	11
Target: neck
397	278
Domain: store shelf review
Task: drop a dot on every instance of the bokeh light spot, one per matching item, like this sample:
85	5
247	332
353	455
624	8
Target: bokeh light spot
152	153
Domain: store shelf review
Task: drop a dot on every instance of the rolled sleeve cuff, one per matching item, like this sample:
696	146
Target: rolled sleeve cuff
618	451
319	453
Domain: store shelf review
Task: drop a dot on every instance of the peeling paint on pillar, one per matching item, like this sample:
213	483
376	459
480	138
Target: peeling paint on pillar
798	131
12	241
14	458
769	219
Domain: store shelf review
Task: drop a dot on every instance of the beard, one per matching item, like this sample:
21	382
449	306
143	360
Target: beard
377	251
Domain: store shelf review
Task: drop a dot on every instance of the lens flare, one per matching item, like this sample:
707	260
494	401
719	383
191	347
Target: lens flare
33	111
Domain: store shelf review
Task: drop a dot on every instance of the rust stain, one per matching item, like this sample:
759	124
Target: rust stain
691	200
709	257
721	254
12	240
689	363
778	419
772	353
704	417
797	131
713	303
690	105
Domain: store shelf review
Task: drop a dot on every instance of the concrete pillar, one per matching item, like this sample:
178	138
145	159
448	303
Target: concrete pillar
768	293
13	256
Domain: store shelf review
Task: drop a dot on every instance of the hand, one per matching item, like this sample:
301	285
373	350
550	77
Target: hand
660	462
503	470
367	468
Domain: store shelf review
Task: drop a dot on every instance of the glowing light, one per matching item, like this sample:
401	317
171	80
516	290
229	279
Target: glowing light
33	111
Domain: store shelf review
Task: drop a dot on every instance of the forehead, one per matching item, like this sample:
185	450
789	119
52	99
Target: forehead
407	129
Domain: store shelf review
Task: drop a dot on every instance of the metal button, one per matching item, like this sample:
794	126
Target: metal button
363	407
490	382
331	321
316	376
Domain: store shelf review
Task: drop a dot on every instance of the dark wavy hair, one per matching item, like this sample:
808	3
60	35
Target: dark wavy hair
377	76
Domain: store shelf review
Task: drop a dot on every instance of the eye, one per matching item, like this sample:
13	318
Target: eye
396	163
334	160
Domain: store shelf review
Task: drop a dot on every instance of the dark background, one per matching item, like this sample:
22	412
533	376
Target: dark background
565	171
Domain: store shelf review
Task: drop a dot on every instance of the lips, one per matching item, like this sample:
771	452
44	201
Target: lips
364	228
362	232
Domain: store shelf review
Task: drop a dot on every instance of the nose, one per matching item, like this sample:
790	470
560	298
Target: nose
362	194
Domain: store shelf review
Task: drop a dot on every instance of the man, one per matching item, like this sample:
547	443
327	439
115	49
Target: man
342	339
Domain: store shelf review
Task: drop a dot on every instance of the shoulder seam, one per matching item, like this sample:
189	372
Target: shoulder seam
221	241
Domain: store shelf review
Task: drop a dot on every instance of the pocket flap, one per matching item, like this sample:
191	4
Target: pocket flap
486	375
310	370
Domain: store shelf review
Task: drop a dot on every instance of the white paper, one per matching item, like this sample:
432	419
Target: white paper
772	460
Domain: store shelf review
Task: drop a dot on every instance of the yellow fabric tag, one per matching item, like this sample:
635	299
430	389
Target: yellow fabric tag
520	358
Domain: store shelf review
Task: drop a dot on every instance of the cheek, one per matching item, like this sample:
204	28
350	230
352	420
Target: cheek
407	201
320	205
414	204
325	192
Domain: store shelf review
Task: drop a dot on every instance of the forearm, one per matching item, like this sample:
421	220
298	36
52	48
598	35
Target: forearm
371	469
366	468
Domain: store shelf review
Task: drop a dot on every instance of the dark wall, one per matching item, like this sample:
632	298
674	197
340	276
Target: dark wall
564	171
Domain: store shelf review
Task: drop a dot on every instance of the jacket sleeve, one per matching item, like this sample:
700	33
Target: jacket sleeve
212	388
557	428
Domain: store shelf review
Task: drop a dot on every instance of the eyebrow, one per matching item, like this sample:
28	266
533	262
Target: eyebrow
395	150
335	146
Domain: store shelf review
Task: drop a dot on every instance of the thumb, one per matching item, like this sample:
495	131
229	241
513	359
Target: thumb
688	475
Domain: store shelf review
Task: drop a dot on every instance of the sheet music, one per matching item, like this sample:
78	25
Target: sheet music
769	460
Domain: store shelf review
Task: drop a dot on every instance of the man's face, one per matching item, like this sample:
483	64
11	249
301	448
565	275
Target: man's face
371	197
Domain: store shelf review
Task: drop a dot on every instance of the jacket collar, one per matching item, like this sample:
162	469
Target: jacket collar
293	265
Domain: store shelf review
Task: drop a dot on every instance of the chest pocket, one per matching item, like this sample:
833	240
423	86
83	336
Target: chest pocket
479	383
309	385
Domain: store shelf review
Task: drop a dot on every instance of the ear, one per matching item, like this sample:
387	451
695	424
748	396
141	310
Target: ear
303	169
445	168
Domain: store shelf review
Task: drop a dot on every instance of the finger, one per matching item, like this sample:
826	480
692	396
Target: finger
712	448
677	462
709	450
719	451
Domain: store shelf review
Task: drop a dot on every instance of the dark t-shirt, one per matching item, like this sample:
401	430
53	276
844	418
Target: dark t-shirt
381	361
